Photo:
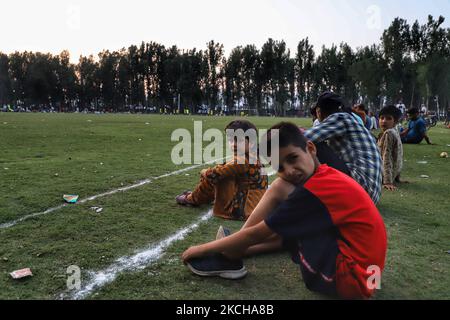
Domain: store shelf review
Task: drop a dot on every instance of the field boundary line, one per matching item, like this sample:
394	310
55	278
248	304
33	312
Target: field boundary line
139	261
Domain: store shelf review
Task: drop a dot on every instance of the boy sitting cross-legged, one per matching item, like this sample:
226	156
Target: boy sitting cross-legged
390	145
310	209
236	186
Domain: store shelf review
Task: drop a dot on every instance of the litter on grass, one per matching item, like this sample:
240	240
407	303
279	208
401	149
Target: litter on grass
422	162
70	198
97	209
22	273
424	176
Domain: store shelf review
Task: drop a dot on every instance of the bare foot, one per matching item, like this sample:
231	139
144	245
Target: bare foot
390	187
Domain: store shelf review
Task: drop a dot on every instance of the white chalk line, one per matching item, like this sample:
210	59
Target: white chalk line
138	261
121	189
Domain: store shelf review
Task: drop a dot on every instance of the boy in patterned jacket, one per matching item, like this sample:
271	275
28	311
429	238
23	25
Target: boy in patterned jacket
390	145
235	187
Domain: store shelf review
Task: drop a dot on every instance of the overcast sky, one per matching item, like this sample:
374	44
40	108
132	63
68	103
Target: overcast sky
87	26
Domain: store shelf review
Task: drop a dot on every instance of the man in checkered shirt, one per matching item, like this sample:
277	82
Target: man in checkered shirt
351	142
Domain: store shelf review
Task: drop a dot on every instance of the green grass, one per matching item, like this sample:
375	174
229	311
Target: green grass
105	153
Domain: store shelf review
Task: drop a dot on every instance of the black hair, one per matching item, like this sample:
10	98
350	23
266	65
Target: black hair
240	124
288	134
412	111
391	110
329	103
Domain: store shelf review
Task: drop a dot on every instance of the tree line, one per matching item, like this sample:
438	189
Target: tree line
410	63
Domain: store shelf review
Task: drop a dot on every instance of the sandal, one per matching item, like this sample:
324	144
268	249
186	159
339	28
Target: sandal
182	199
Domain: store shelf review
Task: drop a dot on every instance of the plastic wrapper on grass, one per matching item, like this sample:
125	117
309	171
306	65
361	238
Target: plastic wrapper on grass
70	198
22	273
97	209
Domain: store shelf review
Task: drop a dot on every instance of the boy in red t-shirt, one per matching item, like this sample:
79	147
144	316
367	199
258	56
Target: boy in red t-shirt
323	217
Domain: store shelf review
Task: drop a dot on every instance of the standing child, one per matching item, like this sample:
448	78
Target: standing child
374	121
390	145
310	209
236	186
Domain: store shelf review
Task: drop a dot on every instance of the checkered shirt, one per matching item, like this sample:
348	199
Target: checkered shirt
356	146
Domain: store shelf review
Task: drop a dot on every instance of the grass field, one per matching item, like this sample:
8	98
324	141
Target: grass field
43	156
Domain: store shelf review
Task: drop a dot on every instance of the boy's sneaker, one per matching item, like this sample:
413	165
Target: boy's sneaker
222	233
217	265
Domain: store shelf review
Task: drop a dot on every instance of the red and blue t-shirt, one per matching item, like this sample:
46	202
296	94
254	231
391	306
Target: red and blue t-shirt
334	232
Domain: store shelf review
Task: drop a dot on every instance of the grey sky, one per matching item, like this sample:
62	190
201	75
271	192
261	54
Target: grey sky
86	27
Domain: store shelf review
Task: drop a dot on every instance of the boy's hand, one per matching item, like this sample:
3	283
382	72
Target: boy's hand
390	187
192	252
